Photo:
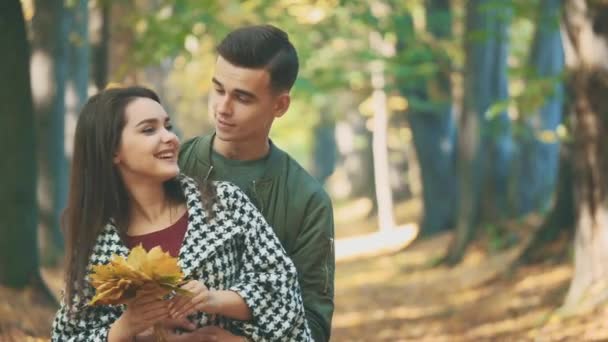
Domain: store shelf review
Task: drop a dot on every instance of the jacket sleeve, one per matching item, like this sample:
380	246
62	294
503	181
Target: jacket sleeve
314	256
85	323
267	279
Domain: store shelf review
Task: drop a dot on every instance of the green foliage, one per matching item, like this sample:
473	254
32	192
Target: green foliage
333	41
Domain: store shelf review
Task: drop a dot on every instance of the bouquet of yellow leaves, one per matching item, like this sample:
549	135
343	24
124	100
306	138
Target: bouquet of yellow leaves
153	273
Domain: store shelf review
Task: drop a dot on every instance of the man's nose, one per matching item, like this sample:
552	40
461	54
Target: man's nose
223	105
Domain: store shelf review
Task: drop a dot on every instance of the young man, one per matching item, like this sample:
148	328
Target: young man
254	73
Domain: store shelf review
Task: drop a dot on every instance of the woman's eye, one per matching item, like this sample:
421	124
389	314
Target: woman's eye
169	127
148	130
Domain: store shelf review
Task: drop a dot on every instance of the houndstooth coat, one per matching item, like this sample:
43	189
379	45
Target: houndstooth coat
235	250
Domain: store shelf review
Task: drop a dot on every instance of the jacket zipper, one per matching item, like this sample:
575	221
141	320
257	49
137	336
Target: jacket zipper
327	261
209	173
257	197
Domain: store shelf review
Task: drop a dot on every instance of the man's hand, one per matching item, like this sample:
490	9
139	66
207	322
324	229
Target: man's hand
141	314
170	324
206	334
217	334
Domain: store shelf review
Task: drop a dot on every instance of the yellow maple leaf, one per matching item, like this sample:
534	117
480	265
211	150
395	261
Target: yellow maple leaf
122	279
140	274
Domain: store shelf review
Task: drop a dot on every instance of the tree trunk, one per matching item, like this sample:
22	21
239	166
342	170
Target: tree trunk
100	41
434	131
384	195
78	62
485	142
19	217
324	153
49	72
586	24
540	158
560	218
79	51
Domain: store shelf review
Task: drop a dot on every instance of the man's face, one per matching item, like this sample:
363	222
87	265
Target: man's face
242	103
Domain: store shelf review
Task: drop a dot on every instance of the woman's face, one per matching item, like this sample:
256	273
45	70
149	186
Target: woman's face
148	148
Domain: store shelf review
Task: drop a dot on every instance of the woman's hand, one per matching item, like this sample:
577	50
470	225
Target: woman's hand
202	299
224	302
141	314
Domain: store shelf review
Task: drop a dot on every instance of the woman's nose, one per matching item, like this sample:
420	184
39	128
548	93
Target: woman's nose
169	136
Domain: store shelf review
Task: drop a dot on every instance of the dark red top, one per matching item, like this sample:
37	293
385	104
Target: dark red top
169	239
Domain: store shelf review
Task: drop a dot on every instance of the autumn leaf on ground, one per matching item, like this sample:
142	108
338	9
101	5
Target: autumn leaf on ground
122	279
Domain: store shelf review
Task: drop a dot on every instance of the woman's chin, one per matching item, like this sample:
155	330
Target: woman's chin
169	174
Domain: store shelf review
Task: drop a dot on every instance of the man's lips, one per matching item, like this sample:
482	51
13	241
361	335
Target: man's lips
224	123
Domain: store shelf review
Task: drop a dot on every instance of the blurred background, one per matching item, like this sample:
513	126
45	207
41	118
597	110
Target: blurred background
463	143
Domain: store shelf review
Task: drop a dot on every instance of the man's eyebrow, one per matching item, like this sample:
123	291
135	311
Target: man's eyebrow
245	93
238	91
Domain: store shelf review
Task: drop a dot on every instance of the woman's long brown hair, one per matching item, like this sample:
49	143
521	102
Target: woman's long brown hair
97	193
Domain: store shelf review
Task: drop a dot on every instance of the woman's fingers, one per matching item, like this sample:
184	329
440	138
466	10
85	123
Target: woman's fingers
187	305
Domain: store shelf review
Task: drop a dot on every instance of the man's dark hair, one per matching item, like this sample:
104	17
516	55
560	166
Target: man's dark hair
262	47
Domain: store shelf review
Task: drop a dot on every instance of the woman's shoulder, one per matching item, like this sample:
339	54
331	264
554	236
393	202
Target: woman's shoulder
223	186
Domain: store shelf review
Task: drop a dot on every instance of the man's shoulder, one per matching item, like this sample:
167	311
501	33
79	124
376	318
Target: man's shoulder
193	144
191	153
304	183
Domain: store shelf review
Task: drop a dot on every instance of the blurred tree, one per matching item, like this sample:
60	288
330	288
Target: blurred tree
539	156
485	144
430	113
79	59
100	40
561	217
324	150
586	25
49	68
19	217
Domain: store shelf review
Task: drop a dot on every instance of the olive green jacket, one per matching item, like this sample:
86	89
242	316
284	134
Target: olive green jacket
300	212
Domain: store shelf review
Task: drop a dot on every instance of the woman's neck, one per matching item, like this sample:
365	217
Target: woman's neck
150	209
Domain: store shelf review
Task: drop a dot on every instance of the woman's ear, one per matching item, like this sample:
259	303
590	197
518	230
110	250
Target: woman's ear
282	104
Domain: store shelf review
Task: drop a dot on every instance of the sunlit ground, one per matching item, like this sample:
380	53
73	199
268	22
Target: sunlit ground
401	296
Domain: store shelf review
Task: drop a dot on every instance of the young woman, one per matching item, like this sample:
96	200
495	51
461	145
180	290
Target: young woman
126	189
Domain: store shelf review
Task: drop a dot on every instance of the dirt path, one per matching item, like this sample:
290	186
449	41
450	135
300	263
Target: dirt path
400	298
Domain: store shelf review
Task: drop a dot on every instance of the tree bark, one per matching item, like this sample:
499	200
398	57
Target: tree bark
19	217
324	150
384	195
485	144
561	217
49	73
100	41
587	39
436	145
540	158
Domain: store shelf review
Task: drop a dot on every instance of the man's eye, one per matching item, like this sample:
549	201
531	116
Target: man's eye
244	99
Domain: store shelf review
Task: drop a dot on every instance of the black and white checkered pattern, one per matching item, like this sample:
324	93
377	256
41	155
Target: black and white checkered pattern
235	250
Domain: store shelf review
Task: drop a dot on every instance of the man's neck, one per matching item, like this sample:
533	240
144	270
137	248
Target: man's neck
241	151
